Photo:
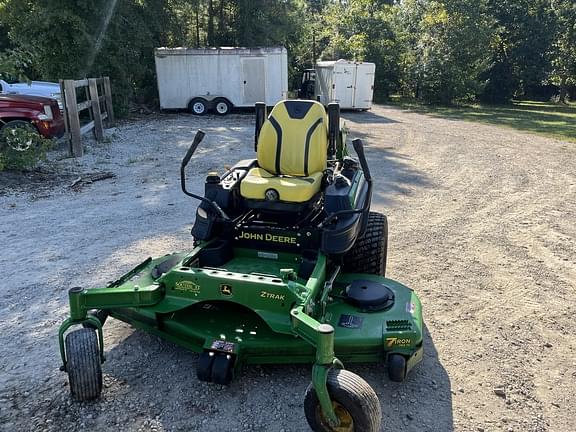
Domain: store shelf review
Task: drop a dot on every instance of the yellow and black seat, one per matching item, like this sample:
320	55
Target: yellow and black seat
292	151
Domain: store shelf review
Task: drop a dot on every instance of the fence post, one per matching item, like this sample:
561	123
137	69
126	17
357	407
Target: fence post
96	114
64	111
108	96
73	119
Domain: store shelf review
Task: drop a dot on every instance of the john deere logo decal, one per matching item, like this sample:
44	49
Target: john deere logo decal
226	290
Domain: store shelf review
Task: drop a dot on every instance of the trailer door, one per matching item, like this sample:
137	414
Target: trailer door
364	86
343	84
253	80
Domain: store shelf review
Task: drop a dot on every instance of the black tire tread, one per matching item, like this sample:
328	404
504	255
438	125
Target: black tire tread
349	390
369	253
395	361
83	364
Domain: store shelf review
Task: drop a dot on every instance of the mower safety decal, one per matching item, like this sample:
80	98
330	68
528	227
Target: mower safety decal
222	345
187	286
392	342
350	321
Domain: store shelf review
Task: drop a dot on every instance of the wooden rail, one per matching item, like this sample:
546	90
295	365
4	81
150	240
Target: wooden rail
98	102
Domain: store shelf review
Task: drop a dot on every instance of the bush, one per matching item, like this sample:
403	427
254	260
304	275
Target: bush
22	148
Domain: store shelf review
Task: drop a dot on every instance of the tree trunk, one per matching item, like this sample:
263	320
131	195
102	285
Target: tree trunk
198	26
210	35
221	23
563	90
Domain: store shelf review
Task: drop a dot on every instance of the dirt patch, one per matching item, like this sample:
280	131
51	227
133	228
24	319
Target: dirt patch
481	226
39	182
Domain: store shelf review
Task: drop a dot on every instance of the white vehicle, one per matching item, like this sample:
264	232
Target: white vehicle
34	88
219	79
349	83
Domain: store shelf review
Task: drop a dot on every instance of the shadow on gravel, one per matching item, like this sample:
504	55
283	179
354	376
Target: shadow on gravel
367	117
394	175
160	379
393	172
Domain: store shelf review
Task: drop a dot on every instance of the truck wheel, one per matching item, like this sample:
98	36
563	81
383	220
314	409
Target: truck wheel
355	404
222	106
11	140
369	253
83	364
198	106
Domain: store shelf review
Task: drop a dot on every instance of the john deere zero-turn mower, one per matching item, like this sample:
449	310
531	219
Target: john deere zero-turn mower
287	266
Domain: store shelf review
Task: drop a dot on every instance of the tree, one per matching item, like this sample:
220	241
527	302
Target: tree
446	48
520	54
363	30
563	51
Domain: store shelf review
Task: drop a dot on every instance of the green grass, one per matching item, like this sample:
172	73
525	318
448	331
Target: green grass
544	118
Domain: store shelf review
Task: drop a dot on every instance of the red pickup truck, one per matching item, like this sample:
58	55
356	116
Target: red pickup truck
40	112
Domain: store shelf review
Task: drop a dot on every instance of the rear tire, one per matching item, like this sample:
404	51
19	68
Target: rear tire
83	364
198	106
354	401
370	252
222	106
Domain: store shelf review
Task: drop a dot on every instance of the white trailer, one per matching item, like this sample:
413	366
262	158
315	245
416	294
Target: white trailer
219	79
349	83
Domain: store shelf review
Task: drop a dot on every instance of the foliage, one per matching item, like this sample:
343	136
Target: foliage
446	48
22	148
362	30
563	53
436	50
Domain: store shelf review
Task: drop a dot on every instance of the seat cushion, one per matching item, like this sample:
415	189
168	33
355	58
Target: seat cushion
290	189
294	139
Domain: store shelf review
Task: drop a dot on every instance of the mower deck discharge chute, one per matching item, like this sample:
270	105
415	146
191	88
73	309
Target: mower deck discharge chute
288	266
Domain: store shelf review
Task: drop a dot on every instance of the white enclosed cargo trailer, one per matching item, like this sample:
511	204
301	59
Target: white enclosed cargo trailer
219	79
349	83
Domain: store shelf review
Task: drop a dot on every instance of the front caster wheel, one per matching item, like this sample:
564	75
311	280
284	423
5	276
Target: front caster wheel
83	364
396	367
204	367
223	369
355	404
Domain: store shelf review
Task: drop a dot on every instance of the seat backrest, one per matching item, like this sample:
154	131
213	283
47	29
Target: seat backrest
294	139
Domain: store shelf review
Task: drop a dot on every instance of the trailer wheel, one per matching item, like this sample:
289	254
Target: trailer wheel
198	106
355	404
222	106
83	364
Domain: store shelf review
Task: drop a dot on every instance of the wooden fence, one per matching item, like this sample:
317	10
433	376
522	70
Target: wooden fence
97	100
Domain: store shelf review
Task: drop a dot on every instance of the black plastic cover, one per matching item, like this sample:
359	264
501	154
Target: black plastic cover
369	295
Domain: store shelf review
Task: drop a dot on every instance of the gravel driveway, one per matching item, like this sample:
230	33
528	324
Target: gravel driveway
482	226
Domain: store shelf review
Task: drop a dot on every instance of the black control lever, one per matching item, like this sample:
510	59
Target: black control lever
197	140
359	149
